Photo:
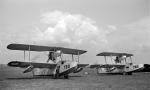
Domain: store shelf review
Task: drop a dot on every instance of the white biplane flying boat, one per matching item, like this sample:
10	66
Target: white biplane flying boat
120	65
58	69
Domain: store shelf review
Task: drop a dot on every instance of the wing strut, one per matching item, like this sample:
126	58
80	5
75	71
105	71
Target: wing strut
78	57
29	52
72	58
29	61
111	59
131	59
24	55
125	60
61	57
105	60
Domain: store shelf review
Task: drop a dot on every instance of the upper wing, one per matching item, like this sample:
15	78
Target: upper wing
44	48
114	54
27	64
106	66
82	65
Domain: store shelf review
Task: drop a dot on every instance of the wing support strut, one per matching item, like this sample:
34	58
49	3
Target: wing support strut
72	58
78	57
105	60
125	61
131	59
24	55
29	52
111	59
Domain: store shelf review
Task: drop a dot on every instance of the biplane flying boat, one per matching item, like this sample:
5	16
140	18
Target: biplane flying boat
62	68
120	64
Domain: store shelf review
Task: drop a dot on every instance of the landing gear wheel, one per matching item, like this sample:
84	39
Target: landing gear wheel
66	76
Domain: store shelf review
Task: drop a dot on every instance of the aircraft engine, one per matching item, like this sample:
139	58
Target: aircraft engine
28	69
53	55
78	70
57	53
122	57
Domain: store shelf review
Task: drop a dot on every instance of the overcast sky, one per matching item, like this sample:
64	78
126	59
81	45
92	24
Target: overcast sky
92	25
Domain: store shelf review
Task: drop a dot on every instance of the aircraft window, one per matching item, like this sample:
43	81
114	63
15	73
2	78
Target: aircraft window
68	66
65	67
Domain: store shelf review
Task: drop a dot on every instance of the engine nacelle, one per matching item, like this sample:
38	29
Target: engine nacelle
57	53
78	70
122	57
53	55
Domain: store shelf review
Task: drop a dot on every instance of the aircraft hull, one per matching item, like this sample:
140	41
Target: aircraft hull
122	70
42	71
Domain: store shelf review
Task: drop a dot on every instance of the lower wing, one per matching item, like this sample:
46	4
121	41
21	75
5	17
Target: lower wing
106	66
82	65
35	65
30	65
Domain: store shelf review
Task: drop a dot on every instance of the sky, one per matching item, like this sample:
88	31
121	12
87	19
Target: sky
92	25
